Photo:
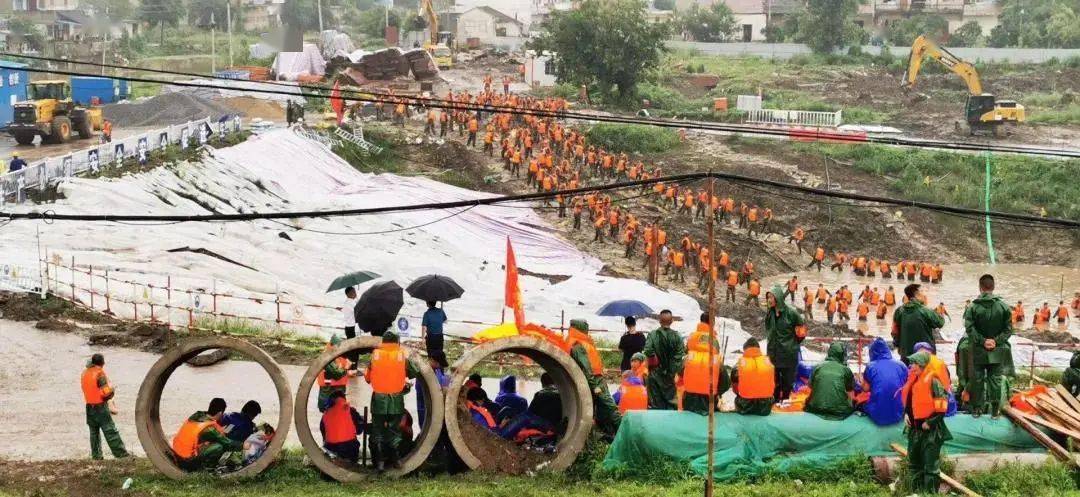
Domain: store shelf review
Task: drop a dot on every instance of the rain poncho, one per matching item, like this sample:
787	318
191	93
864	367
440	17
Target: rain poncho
669	350
1071	378
830	384
783	346
914	323
510	403
989	317
886	377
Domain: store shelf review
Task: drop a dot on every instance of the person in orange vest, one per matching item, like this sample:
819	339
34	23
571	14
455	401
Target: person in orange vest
599	224
926	272
882	310
926	402
890	297
694	377
1042	315
678	262
732	282
832	306
429	126
632	395
822	293
808	303
1018	313
583	352
842	309
1076	304
911	268
98	394
942	311
388	375
1062	313
935	273
792	287
201	441
340	425
399	114
578	207
753	293
754	381
474	127
818	259
838	261
863	310
335	376
797	238
477	403
489	142
106	131
885	269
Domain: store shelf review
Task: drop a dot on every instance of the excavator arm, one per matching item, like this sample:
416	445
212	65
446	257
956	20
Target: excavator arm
923	47
428	8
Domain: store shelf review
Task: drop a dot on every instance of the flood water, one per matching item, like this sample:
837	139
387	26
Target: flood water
1032	284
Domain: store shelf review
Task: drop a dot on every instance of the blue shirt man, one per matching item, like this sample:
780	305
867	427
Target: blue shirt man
16	163
243	422
432	328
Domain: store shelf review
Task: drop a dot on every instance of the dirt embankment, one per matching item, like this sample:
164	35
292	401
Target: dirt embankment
70	478
53	314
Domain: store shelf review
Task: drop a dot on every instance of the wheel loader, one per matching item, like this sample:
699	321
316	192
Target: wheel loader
51	114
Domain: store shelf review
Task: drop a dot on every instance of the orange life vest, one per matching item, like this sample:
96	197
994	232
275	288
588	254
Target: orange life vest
483	412
819	254
757	377
576	337
941	371
93	394
881	310
338	423
822	294
321	380
923	403
679	259
863	309
1042	315
186	442
1018	313
832	305
632	397
890	297
695	373
754	287
387	371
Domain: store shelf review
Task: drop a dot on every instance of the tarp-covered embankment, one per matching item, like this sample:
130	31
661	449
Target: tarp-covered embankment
748	446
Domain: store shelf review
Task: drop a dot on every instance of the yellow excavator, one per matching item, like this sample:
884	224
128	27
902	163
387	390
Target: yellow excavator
51	114
983	110
438	48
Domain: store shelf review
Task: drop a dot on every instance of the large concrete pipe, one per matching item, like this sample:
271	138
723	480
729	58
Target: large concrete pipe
577	404
886	468
148	405
432	422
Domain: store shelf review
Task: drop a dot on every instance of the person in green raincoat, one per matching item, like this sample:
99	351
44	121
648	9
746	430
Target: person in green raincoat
584	353
664	350
1070	379
335	376
988	323
964	372
783	340
98	394
913	322
388	375
832	386
925	405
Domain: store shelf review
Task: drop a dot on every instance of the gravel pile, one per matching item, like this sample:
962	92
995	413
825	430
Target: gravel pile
164	109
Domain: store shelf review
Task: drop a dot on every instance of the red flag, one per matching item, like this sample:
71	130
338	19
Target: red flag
337	103
513	290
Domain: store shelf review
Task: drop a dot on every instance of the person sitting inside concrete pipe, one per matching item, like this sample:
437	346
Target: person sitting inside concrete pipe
201	441
547	403
340	425
510	403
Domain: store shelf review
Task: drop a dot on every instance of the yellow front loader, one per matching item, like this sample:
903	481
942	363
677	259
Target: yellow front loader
50	114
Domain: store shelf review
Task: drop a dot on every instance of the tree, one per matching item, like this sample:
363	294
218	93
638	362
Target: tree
713	24
828	25
24	32
904	32
304	15
1038	24
372	21
160	13
968	35
609	44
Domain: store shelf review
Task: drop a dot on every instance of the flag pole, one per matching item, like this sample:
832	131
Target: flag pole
709	480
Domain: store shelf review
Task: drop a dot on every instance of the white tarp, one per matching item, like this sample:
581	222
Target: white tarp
291	65
280	171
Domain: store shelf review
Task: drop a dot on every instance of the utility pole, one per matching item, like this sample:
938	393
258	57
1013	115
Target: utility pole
228	24
709	480
213	44
319	7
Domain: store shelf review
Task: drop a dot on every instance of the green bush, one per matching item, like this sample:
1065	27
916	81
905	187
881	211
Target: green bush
632	138
1052	479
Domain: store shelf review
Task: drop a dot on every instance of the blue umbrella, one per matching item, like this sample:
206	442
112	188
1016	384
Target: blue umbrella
624	308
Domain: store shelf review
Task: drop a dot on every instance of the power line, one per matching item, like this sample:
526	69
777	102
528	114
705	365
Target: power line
374	97
250	216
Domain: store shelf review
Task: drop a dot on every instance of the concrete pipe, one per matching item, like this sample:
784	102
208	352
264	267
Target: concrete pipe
432	422
577	404
886	468
148	405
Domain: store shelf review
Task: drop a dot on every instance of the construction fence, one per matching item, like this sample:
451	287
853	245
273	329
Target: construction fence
794	117
39	175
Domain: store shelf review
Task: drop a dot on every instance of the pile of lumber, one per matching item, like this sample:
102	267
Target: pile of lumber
422	63
385	64
1055	409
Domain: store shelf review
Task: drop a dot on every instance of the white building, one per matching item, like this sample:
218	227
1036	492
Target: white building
539	69
487	24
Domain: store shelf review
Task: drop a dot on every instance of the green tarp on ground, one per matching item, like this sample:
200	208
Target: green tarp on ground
748	446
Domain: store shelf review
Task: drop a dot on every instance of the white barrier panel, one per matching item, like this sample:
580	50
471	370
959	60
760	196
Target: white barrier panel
794	117
14	278
42	173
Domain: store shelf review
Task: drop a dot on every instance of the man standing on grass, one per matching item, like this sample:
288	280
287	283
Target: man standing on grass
388	375
988	322
664	351
98	394
926	403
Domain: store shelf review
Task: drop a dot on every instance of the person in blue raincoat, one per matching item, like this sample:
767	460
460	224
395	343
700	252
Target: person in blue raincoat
510	403
883	380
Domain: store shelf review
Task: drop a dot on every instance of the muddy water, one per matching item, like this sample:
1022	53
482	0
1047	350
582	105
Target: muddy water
1025	282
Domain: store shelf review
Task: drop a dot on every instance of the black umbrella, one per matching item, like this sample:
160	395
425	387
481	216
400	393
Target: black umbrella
378	306
435	288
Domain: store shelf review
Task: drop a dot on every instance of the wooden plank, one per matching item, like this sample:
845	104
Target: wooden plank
1050	411
1049	424
1069	399
1055	449
944	477
1060	406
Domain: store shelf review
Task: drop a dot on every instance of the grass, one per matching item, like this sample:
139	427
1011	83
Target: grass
243	328
631	138
1019	184
388	160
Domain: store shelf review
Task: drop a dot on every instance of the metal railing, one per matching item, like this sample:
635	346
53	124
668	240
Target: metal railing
41	174
794	117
